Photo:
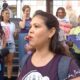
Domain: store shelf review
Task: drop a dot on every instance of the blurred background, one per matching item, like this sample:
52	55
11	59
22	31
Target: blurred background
46	5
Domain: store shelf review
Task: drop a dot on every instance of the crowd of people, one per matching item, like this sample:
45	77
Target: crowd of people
47	43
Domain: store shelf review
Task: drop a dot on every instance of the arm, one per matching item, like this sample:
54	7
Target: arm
22	23
4	41
68	25
15	30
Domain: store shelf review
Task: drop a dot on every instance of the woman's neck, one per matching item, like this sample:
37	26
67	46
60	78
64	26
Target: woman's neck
5	21
43	51
42	57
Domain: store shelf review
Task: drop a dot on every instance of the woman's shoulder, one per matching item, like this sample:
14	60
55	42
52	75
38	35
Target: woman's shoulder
68	65
74	69
3	24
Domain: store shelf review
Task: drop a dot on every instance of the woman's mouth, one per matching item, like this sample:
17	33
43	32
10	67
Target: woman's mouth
28	38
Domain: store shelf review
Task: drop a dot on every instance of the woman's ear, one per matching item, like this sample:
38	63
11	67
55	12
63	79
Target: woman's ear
52	32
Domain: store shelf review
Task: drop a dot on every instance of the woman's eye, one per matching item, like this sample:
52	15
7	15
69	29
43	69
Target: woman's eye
36	26
33	26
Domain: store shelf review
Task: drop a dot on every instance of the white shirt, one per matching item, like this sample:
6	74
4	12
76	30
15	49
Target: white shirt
10	32
65	19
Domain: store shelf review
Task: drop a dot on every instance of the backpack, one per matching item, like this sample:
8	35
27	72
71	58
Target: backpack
63	66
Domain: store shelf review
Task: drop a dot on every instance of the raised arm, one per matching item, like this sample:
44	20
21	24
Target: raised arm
22	22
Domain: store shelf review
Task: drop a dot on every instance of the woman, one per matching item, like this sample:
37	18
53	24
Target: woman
63	20
10	32
24	25
43	63
71	13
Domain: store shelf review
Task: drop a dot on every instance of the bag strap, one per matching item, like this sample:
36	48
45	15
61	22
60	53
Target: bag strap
63	67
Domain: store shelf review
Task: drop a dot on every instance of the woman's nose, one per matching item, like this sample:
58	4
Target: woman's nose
31	30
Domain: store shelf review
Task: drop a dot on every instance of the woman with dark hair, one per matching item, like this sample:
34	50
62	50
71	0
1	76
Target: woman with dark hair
63	20
61	14
43	63
24	25
10	31
6	6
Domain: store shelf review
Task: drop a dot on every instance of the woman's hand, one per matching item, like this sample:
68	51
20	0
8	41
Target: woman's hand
24	17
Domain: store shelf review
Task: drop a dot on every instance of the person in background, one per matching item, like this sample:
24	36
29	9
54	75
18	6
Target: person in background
74	36
6	6
24	25
64	22
43	63
71	14
10	31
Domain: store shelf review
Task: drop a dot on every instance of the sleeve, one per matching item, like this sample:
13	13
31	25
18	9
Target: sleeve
74	70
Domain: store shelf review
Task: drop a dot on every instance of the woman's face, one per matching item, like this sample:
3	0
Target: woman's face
6	15
60	13
27	12
38	33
